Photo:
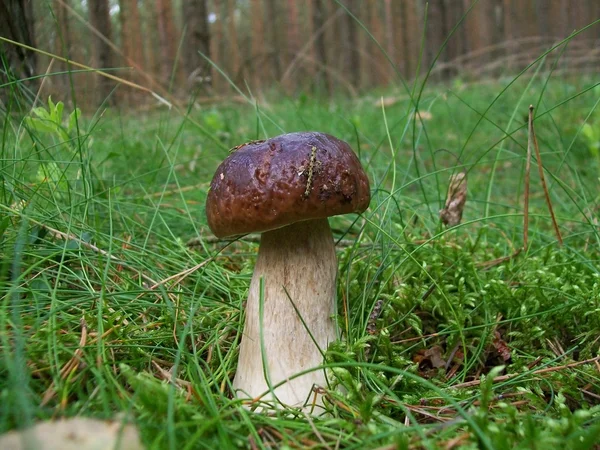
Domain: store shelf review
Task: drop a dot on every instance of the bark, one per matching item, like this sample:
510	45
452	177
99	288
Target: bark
234	50
16	23
412	37
311	54
151	41
100	20
293	43
257	43
364	41
62	43
167	39
274	39
457	44
397	12
436	34
217	46
389	46
377	29
349	65
131	41
319	16
196	42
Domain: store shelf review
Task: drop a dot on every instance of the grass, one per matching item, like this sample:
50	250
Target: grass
103	300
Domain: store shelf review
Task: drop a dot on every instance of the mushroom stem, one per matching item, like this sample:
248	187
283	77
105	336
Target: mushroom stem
298	267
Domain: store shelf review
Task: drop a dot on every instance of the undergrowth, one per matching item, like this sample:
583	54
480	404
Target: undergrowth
450	337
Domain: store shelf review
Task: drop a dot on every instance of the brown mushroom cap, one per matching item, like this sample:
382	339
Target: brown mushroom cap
268	184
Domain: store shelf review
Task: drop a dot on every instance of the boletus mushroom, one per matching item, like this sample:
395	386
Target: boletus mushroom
285	188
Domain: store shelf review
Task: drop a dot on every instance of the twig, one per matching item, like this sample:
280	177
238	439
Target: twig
496	262
536	372
543	178
527	176
92	247
72	364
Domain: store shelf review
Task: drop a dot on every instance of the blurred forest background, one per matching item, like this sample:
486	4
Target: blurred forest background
317	46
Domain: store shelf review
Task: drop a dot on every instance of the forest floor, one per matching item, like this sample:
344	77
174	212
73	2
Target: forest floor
118	302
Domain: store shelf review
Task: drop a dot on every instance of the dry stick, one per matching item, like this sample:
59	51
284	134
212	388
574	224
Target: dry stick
536	372
543	178
169	103
72	237
527	172
97	71
70	365
92	247
496	262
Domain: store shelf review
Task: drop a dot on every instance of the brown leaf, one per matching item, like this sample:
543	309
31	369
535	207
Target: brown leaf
452	213
501	347
430	358
372	322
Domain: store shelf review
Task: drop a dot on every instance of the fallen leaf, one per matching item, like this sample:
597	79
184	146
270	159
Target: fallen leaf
430	358
372	323
452	213
501	347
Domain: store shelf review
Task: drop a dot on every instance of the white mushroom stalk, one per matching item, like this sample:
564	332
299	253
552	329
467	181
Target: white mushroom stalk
298	267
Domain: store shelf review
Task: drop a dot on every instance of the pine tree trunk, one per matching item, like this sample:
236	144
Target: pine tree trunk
62	44
311	54
319	17
293	44
234	50
167	39
131	43
399	56
257	55
377	29
196	43
16	23
436	34
275	41
100	20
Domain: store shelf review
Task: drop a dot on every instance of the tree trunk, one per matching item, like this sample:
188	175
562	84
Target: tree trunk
350	66
275	47
131	42
412	38
377	29
167	39
100	20
196	42
397	23
388	44
62	44
234	49
293	43
311	54
457	43
16	23
319	17
151	41
436	34
257	44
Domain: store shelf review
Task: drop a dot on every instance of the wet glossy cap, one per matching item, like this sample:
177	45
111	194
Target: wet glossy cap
265	185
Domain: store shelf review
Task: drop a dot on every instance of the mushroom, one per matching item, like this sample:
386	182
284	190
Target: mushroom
285	188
